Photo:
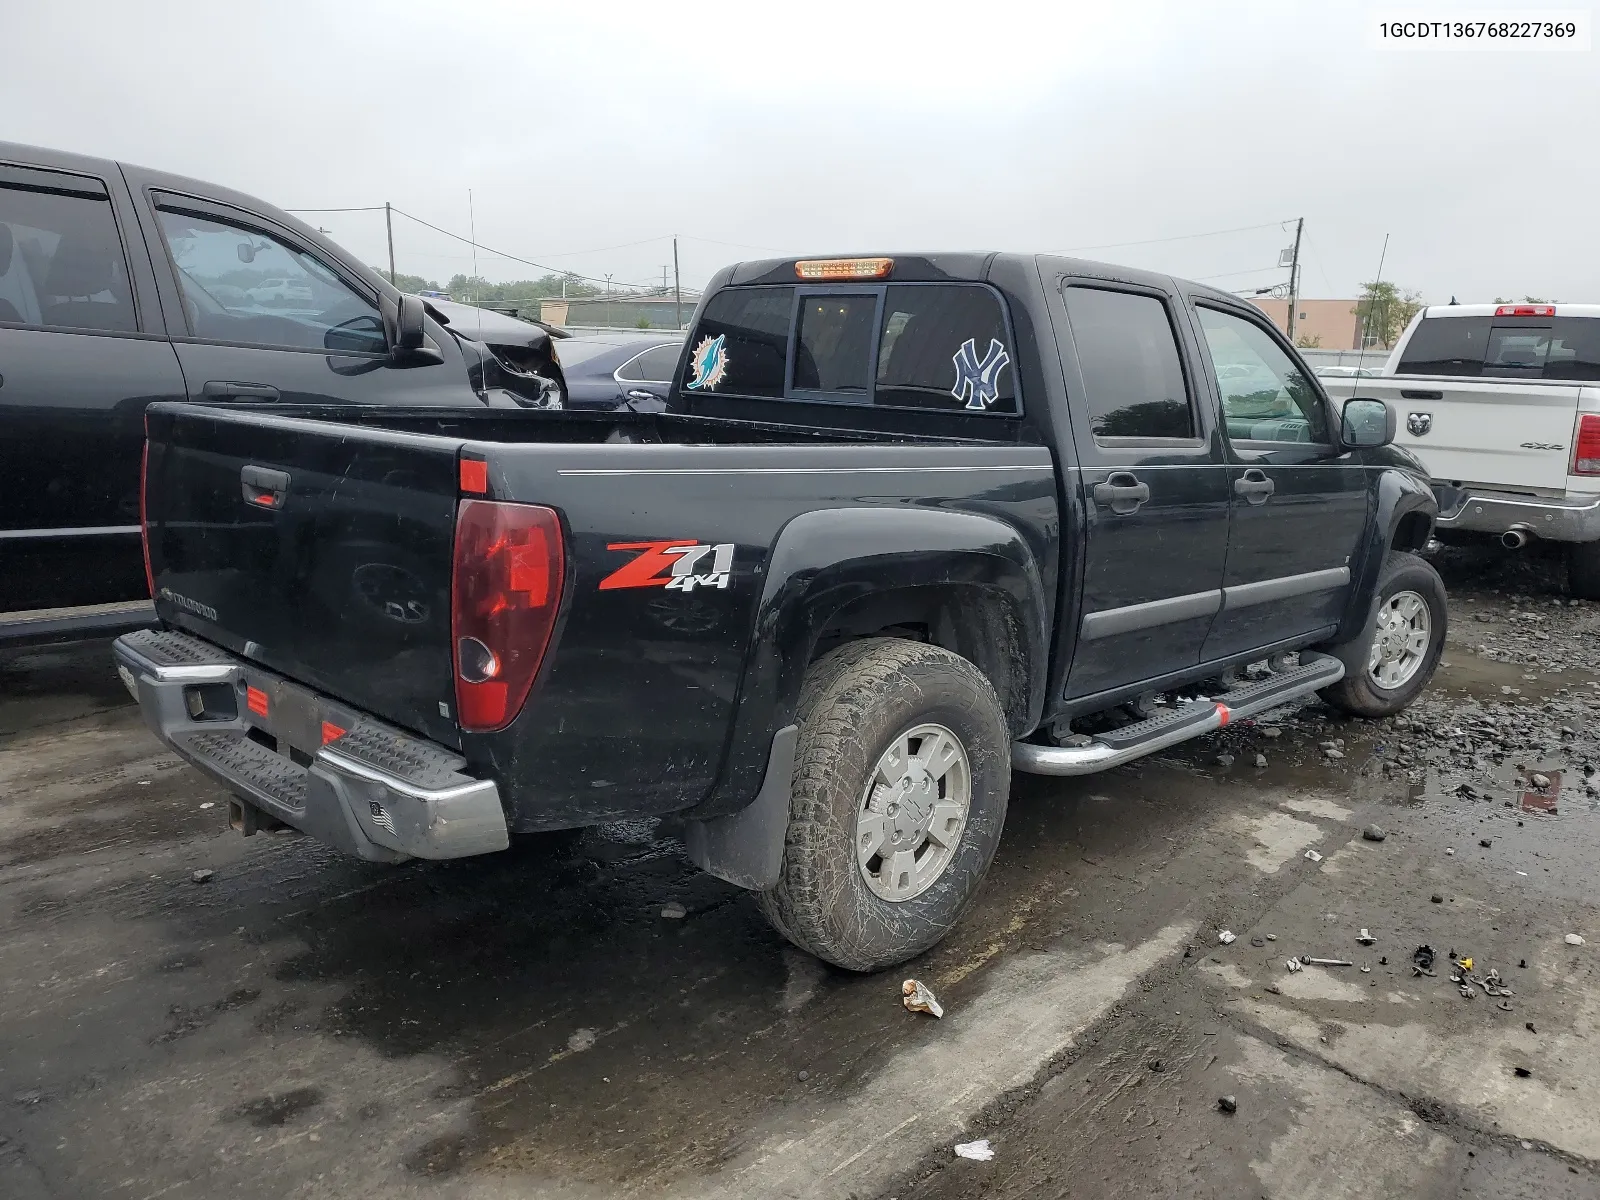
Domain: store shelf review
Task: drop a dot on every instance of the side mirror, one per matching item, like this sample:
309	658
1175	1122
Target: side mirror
246	252
1367	423
402	324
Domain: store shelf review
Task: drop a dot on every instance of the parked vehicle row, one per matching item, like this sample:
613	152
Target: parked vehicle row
120	286
904	524
1501	402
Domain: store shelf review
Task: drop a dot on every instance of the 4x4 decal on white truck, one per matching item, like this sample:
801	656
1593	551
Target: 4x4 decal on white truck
677	559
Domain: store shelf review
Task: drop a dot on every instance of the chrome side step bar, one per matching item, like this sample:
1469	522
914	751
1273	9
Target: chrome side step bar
1118	746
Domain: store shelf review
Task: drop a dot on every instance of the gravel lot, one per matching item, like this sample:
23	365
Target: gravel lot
530	1024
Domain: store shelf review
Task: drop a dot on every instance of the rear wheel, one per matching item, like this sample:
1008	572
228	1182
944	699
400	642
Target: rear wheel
901	778
1398	651
1583	570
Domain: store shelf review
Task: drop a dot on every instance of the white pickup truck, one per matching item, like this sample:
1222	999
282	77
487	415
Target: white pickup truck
1502	405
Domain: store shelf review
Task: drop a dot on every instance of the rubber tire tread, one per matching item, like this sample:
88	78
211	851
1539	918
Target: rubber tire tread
821	903
1356	694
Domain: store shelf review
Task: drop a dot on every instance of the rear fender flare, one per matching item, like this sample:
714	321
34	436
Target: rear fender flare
828	559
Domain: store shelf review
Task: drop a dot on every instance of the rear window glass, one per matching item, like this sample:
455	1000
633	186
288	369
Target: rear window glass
1574	349
1520	350
1555	348
944	346
742	344
834	349
906	345
1446	346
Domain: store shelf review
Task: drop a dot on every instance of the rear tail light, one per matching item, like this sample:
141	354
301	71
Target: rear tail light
1525	310
144	518
1586	446
505	591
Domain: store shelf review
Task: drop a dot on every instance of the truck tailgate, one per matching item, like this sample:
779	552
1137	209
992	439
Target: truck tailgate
1509	433
320	551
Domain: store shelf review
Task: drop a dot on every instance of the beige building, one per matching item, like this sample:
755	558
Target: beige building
1327	324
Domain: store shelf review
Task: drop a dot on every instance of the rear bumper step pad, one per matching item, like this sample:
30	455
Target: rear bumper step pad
1112	749
373	792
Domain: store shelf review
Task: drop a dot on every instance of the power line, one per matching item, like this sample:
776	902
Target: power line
366	208
1231	274
1182	237
498	253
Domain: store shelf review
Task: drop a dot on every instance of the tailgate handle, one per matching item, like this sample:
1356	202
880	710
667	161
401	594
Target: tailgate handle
1416	394
264	487
220	389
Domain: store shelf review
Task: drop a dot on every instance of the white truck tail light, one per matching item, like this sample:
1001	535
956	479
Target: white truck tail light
1586	445
505	591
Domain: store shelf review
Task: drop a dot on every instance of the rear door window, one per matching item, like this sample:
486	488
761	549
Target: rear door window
655	365
945	346
61	261
1446	346
1132	374
741	347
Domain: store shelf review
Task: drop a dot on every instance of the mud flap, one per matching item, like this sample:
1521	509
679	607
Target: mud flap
746	847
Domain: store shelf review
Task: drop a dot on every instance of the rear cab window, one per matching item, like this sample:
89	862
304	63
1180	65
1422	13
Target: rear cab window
940	346
1560	348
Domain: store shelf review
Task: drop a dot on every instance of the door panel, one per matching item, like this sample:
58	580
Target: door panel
76	372
1299	503
268	321
1154	488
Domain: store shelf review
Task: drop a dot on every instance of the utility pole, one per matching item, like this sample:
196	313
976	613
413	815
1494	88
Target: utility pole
677	287
1294	276
388	223
608	302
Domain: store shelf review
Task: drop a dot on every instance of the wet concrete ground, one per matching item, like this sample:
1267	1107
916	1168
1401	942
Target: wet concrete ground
530	1025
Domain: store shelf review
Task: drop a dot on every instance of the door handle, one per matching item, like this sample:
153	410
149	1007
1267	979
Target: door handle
1121	492
264	487
641	394
220	389
1254	486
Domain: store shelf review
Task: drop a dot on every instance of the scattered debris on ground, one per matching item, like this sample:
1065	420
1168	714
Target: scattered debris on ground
673	911
1228	1104
978	1151
918	997
203	875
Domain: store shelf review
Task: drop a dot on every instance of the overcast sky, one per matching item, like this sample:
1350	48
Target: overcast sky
762	127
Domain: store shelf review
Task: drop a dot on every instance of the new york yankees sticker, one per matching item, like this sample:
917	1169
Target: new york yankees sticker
978	379
675	565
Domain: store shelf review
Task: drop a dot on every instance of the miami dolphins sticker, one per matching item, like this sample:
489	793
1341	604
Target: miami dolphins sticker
709	362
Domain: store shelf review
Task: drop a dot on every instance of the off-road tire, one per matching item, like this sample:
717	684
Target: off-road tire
1356	693
1583	570
854	702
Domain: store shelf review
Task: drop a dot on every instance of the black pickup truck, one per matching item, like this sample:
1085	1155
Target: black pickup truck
905	523
120	286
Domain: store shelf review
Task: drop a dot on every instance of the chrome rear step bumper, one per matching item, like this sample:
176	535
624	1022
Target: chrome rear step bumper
1315	672
373	791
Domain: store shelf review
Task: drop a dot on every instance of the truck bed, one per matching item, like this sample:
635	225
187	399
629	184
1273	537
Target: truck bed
340	582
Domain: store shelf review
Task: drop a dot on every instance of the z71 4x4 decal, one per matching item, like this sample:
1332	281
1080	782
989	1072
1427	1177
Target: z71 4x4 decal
671	565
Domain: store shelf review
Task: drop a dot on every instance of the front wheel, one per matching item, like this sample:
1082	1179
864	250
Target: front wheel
901	778
1398	651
